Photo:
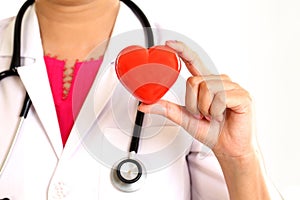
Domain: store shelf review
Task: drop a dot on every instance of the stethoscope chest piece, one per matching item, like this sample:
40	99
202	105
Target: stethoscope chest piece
128	175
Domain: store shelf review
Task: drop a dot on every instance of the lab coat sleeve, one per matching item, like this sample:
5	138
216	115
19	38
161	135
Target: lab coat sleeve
207	180
5	37
4	23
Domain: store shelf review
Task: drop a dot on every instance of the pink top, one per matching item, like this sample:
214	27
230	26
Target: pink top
68	105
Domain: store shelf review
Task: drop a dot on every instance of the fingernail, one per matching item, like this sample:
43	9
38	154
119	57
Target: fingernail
171	42
198	116
155	109
207	117
142	108
219	118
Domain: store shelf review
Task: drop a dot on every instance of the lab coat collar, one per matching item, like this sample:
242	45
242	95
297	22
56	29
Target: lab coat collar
35	79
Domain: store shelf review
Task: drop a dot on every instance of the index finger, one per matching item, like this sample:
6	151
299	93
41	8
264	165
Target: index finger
191	59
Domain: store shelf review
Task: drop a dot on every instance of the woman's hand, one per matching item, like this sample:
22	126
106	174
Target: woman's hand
218	113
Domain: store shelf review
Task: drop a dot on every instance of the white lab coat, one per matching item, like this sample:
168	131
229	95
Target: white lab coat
40	168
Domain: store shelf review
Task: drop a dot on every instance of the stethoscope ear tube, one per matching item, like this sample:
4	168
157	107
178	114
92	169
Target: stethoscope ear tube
15	62
26	106
137	129
8	73
144	21
16	57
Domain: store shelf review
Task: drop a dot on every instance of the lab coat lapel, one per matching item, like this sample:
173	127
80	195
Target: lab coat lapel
35	79
105	82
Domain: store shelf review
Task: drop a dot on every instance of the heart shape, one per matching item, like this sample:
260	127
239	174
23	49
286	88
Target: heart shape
148	73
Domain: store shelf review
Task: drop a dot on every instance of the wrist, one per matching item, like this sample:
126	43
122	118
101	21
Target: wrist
241	162
244	176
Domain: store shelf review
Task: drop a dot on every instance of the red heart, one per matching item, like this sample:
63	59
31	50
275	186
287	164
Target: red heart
148	73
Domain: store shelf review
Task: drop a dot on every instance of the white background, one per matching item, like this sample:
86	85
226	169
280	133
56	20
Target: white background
257	43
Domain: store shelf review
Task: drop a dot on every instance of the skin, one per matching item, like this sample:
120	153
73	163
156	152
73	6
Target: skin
71	29
62	22
207	99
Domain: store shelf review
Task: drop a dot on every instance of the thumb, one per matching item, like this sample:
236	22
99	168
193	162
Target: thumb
206	131
194	125
167	109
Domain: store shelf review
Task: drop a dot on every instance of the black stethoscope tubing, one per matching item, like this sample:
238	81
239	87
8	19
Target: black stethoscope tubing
16	56
134	145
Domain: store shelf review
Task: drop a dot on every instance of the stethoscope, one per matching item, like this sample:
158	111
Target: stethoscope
128	174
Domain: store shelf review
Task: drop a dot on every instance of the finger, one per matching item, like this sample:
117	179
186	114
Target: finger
237	100
191	95
191	59
205	97
218	106
203	130
200	91
176	113
167	109
208	91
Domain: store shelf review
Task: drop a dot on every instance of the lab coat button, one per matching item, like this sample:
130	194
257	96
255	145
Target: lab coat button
61	190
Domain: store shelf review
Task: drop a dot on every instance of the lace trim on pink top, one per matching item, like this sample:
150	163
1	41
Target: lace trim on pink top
68	100
67	80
